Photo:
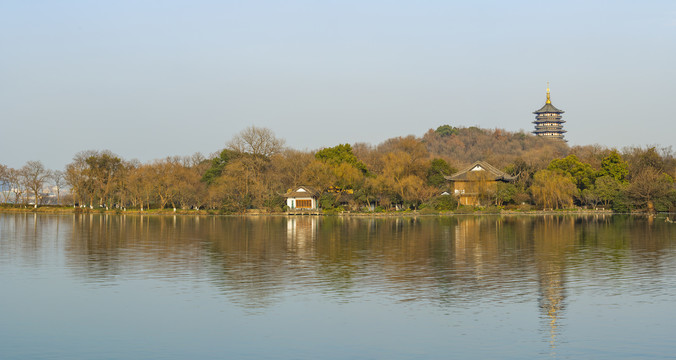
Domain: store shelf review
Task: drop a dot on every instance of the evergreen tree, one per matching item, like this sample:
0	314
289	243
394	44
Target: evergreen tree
613	166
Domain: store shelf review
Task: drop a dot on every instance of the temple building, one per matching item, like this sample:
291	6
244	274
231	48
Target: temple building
548	122
477	184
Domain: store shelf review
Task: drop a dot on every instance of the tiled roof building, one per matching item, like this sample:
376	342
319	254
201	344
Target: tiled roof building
476	183
302	197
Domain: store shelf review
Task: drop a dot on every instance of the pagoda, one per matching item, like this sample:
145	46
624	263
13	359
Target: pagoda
548	122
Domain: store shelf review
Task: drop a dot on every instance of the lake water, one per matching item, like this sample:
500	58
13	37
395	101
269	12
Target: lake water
462	287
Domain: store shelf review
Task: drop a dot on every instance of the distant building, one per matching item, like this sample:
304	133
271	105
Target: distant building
302	198
477	182
548	122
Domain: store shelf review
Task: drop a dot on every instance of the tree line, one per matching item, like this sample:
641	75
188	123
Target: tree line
255	169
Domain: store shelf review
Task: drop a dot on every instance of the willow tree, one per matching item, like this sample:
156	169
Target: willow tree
580	173
553	189
481	184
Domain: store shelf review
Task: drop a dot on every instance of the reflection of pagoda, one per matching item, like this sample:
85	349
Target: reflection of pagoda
553	237
548	122
552	298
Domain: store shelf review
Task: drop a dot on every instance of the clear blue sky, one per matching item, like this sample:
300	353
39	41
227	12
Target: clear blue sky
148	79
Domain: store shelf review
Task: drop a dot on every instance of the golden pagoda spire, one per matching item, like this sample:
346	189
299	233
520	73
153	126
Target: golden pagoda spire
548	100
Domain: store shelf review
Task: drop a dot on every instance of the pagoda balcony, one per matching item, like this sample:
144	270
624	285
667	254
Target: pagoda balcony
544	131
549	127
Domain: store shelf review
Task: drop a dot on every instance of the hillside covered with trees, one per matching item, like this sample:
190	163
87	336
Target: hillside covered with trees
255	169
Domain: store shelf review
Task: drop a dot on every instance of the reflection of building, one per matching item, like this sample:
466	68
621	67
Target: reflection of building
303	197
548	122
552	297
301	232
477	182
476	243
554	237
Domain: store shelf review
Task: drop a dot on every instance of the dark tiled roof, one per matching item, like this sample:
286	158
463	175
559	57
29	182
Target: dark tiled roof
549	129
548	108
547	120
493	173
309	192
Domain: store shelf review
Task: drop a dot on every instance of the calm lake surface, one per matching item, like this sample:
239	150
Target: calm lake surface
462	287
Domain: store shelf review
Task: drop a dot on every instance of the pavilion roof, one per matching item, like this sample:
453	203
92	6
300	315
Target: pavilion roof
301	191
493	173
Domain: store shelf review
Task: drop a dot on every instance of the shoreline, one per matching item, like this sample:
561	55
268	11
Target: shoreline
65	210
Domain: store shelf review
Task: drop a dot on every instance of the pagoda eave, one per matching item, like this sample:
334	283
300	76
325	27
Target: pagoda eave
542	131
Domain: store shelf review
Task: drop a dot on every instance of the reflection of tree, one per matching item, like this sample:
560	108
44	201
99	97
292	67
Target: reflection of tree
448	261
246	259
103	247
22	237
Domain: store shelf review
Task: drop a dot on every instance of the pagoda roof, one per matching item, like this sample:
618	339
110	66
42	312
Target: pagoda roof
543	121
548	108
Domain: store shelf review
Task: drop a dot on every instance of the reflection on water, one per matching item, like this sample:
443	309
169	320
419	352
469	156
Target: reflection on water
443	260
472	262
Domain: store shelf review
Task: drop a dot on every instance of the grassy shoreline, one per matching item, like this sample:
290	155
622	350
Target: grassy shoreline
70	210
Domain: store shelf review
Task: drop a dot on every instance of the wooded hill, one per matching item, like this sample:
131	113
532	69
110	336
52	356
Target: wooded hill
465	145
255	169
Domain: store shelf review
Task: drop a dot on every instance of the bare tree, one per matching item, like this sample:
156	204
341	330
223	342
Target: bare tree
104	169
256	141
648	186
35	175
5	188
59	181
141	185
14	179
196	159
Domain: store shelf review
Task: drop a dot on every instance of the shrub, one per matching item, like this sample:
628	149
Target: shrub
525	207
444	203
464	209
491	209
428	211
621	204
